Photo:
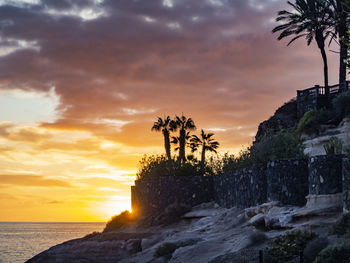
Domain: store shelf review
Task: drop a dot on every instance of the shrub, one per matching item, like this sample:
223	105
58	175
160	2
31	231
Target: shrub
342	225
257	238
118	221
309	123
336	253
289	245
313	248
165	250
341	105
283	145
334	146
159	165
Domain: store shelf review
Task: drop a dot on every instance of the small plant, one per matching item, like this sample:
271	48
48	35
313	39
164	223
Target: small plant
334	146
314	247
342	225
289	245
336	253
341	105
118	221
171	214
165	250
309	123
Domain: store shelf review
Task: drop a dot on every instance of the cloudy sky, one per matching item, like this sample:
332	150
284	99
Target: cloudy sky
82	81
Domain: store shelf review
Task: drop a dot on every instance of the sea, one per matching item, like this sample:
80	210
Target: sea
20	241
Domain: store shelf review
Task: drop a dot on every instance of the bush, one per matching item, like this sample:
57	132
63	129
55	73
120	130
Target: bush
337	253
334	146
341	105
165	250
159	165
118	221
313	248
289	245
342	225
257	238
309	123
283	145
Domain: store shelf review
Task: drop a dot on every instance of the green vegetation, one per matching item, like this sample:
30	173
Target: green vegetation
334	146
342	225
171	214
289	245
341	105
165	250
116	222
309	123
336	253
314	247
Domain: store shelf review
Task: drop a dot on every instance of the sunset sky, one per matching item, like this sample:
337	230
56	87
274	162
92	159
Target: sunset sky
82	81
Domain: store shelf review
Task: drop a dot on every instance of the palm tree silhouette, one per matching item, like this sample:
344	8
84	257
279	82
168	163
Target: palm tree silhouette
185	125
310	19
207	143
339	12
165	125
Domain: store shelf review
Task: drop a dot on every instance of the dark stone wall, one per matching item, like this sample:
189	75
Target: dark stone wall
325	174
346	183
153	195
241	188
287	181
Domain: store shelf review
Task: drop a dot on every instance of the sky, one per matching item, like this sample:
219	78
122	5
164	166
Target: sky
82	81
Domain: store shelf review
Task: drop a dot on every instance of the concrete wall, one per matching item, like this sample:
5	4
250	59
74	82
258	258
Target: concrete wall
287	181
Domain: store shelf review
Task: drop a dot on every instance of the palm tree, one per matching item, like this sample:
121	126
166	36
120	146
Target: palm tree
185	125
309	19
207	143
339	10
165	125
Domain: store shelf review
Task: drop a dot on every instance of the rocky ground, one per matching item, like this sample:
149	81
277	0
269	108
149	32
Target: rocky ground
208	233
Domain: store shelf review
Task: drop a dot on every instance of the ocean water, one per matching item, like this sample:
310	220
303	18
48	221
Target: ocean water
19	241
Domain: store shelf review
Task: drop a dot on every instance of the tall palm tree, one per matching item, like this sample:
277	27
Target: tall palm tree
206	141
339	10
185	125
165	125
309	19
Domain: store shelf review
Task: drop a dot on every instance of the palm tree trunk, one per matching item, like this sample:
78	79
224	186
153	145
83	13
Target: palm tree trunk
203	157
167	144
320	43
182	142
343	37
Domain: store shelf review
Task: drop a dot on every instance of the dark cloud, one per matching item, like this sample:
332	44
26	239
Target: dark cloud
214	60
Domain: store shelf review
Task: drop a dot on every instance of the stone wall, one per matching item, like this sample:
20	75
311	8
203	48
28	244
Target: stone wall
287	181
153	195
346	183
325	174
241	188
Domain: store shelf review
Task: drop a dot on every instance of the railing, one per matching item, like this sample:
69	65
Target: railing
321	91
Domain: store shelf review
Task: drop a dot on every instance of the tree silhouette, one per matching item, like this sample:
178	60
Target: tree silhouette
206	141
339	10
309	19
165	125
185	125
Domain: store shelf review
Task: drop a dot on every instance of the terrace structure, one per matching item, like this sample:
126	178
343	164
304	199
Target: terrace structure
318	97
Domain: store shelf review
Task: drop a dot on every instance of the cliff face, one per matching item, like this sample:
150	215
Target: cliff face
285	117
314	144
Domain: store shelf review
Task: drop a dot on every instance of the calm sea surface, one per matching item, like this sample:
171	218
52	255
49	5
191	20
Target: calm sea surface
20	241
